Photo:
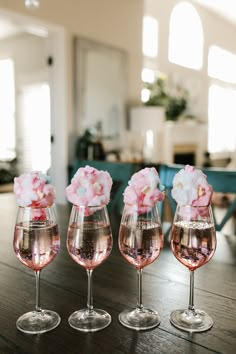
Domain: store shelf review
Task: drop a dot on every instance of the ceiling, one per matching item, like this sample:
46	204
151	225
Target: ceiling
9	28
223	8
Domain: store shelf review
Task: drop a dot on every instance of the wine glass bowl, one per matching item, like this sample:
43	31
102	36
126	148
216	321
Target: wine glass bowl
36	243
193	243
89	243
140	243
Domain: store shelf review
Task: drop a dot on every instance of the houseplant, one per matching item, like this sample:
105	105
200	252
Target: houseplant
172	97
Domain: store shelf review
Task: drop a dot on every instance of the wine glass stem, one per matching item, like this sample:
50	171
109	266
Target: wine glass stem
191	293
90	291
37	278
140	301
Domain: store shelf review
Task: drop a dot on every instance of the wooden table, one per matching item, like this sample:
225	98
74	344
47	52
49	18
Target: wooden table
165	288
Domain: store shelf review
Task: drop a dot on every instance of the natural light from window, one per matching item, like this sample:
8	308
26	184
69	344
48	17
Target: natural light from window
145	95
186	37
36	127
148	76
7	110
221	118
150	37
222	64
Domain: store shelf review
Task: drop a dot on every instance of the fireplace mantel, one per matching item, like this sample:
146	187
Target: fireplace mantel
185	137
170	138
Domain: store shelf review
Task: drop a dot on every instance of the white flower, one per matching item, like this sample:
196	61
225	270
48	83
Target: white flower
190	187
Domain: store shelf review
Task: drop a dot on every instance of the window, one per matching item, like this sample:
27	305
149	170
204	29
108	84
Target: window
35	128
150	37
186	37
221	101
150	52
7	110
148	75
222	64
221	118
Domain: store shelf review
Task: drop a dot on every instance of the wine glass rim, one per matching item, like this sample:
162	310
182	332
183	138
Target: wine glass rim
141	205
36	207
193	206
90	206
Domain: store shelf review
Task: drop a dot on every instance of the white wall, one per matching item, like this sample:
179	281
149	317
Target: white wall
111	22
119	23
17	47
30	67
216	30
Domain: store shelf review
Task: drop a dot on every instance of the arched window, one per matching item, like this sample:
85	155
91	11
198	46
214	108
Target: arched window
186	37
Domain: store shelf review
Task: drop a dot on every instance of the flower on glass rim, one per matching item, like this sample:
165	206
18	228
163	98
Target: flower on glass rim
142	191
33	189
190	187
89	187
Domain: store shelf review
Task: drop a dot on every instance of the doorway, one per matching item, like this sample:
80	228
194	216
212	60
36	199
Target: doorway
55	49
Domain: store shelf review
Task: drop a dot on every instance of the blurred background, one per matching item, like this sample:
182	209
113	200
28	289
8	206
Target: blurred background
132	81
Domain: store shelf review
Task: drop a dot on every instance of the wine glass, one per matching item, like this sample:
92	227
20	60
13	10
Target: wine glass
140	243
193	242
89	243
36	243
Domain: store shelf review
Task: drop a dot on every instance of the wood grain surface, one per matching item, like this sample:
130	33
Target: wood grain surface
165	288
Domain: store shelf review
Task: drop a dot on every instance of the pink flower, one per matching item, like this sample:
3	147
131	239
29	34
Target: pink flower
33	190
142	191
38	214
89	187
190	187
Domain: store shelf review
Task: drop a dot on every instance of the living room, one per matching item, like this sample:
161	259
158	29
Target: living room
117	26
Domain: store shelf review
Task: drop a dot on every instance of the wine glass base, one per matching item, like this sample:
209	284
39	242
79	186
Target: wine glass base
89	321
139	319
197	321
36	322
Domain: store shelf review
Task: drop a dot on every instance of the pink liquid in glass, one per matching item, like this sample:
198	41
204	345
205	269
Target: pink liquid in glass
142	244
37	245
89	244
193	244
